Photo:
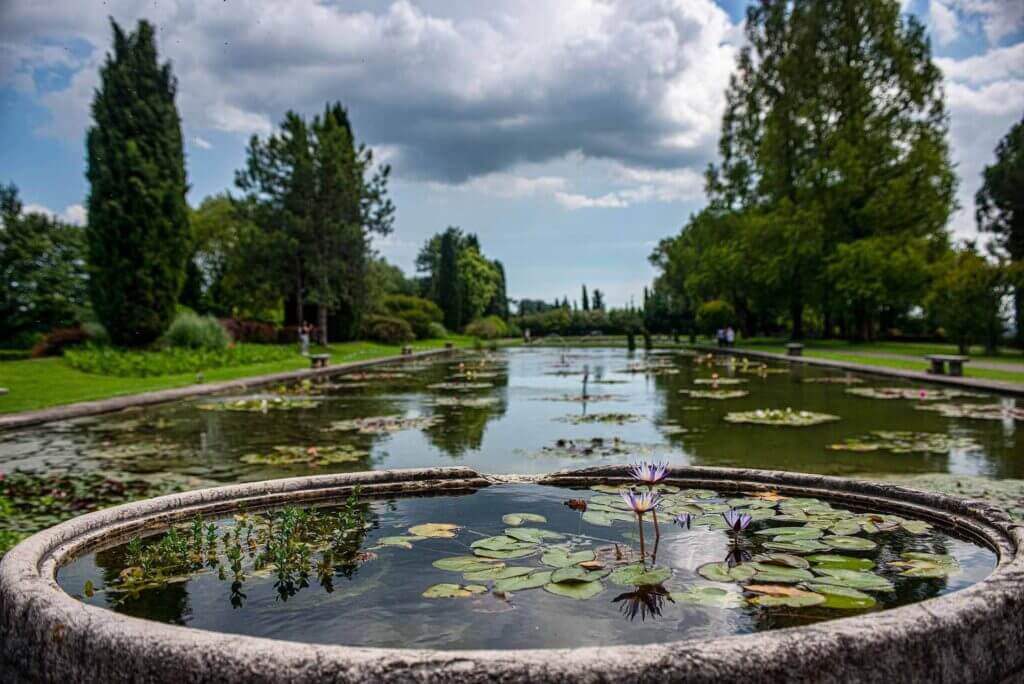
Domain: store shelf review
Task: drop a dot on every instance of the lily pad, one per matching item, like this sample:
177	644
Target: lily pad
453	590
780	417
638	575
849	543
914	393
715	394
558	557
404	541
783	559
975	411
609	418
531	534
505	554
498	573
917	564
307	456
260	405
838	562
852	579
460	386
721	572
797	546
517	519
719	381
711	597
790	597
575	590
576	573
904	442
842	598
524	582
464	564
501	543
439	530
791	533
378	425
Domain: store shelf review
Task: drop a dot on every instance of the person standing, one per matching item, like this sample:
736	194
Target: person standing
730	337
304	331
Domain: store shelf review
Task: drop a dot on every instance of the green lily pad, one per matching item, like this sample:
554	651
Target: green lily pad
574	573
783	559
849	543
797	546
776	574
845	528
791	533
439	530
852	579
575	590
501	542
464	564
517	519
531	534
638	575
827	560
403	541
711	597
524	582
498	573
721	572
505	554
780	417
804	600
934	565
608	489
916	526
558	557
842	598
453	590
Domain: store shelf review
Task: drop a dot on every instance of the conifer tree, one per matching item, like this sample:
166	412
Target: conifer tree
138	233
585	300
449	291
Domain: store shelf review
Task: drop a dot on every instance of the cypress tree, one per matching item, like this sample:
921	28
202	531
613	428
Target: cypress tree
586	300
449	293
138	234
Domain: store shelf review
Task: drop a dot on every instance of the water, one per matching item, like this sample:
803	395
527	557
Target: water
380	602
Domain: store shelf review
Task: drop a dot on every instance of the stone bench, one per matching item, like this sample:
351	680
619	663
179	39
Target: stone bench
406	350
940	361
794	349
319	360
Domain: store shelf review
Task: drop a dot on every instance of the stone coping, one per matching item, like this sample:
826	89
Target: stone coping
1014	389
81	409
972	635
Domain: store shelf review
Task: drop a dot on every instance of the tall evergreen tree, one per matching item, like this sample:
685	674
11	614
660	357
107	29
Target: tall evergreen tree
598	302
138	233
1000	207
448	286
585	300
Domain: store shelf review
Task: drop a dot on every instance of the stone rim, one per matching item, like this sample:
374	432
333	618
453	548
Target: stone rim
975	634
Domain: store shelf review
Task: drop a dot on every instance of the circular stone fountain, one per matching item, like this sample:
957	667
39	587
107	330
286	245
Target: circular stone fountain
972	635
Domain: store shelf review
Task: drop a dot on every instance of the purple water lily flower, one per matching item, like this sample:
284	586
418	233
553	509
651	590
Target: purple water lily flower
685	520
736	521
649	473
641	502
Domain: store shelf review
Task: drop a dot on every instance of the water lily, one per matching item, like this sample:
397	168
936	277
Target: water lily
736	520
641	502
649	473
685	520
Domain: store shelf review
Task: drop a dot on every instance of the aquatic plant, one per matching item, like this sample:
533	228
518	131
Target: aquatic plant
649	473
260	405
613	418
714	394
460	386
905	442
913	393
736	520
376	425
780	417
312	456
685	520
715	381
641	503
835	380
975	411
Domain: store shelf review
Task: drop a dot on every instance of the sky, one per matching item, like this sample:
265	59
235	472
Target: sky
570	135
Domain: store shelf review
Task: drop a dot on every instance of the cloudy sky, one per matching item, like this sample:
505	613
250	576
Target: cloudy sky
570	134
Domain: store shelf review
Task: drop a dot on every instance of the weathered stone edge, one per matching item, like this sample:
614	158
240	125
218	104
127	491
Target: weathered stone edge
81	409
1002	387
974	635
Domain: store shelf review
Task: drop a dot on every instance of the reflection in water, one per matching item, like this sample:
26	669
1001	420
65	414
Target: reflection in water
645	602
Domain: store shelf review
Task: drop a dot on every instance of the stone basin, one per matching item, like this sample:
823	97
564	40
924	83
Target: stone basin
972	635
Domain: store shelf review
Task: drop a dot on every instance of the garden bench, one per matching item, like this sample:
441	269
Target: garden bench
939	362
3	391
794	349
406	350
319	360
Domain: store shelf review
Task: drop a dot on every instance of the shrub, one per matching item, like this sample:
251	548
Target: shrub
713	315
438	332
171	361
387	330
419	313
22	341
489	328
250	331
189	331
56	341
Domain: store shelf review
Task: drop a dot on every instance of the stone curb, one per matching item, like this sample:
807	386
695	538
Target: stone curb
1015	389
973	635
81	409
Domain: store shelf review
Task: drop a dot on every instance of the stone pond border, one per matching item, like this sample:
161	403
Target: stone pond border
972	635
1013	389
19	419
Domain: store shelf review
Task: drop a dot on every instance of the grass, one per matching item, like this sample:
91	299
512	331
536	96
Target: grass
906	348
41	383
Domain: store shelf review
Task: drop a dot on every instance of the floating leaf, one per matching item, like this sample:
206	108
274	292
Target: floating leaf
558	557
904	442
916	526
464	564
849	543
914	393
841	562
88	589
403	541
575	590
531	534
608	489
378	425
532	581
498	573
500	543
721	572
453	590
505	554
718	394
803	600
780	417
797	546
610	418
842	598
577	573
307	456
712	597
790	533
517	519
783	559
638	575
439	530
852	579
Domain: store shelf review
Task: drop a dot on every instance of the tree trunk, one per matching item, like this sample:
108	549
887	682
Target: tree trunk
298	298
1018	315
321	324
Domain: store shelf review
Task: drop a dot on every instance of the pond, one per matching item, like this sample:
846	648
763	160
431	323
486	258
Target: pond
527	566
523	410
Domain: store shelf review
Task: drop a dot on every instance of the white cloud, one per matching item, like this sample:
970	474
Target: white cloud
226	117
201	143
994	65
74	214
943	22
572	200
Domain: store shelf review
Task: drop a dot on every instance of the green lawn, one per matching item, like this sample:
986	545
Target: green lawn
40	383
907	348
814	351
